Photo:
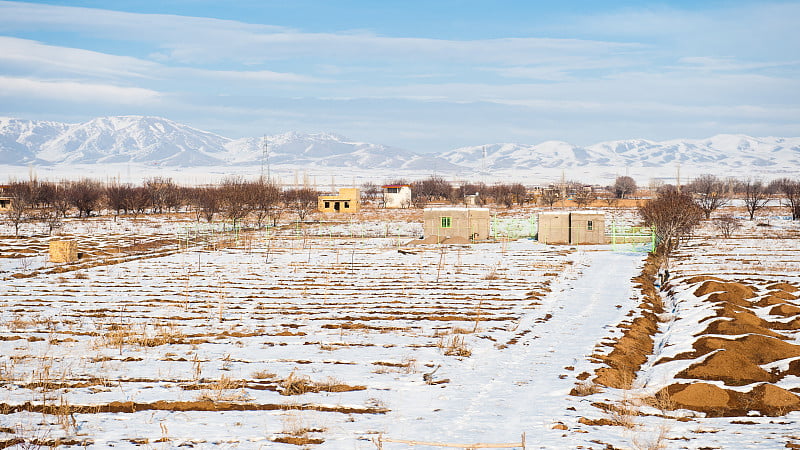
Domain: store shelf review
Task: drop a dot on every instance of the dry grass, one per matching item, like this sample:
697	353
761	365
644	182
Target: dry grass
224	390
584	388
454	345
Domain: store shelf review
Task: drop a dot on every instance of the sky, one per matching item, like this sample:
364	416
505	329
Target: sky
420	75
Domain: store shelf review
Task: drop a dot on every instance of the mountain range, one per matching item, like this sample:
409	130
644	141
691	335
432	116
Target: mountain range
162	142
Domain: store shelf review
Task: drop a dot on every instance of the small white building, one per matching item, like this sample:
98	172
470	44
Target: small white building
396	196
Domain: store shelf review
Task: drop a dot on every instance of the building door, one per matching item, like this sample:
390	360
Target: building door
336	206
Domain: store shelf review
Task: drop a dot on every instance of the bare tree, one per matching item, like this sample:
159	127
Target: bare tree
432	188
755	196
116	196
726	225
21	208
519	192
502	195
673	216
790	191
624	187
206	202
86	196
137	201
164	194
266	200
370	191
549	197
709	193
584	197
302	201
235	199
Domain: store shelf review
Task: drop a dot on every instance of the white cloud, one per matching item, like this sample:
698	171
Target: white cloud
78	92
24	54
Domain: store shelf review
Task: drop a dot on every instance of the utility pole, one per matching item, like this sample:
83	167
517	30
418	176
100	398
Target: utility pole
265	158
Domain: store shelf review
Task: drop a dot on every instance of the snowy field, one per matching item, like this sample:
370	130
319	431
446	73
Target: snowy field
330	336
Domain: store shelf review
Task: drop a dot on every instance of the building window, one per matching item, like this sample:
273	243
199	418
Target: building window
447	222
589	225
346	205
393	190
327	205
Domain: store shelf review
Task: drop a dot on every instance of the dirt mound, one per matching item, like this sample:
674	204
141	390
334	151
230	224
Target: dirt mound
737	290
786	287
794	368
714	401
701	278
771	300
698	396
785	310
632	349
729	297
728	367
630	352
756	348
793	324
740	315
783	294
736	327
774	400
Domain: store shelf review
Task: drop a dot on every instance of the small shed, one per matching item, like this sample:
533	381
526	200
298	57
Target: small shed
587	227
576	227
347	201
456	224
554	227
396	196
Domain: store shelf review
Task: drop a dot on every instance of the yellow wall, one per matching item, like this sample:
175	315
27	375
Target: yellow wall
348	200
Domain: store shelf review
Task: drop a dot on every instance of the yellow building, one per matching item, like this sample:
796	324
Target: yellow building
347	201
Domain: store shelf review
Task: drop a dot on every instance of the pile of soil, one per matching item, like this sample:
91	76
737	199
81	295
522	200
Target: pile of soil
738	361
632	349
715	401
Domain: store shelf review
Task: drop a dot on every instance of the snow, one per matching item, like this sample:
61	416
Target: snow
337	301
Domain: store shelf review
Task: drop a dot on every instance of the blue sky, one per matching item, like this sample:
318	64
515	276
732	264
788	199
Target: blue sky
421	75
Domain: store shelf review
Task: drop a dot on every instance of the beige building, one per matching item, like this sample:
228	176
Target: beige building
347	201
5	203
455	225
576	227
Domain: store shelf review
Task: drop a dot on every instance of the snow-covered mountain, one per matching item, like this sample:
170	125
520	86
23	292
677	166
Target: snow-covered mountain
721	151
162	142
159	141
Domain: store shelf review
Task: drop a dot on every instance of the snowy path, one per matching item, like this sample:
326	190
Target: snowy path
516	389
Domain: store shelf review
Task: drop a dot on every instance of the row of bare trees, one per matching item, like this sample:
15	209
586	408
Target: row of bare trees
234	199
674	212
437	189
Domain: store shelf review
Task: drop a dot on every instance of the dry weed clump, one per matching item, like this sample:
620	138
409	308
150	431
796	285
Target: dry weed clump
407	365
119	336
454	345
296	384
585	388
224	390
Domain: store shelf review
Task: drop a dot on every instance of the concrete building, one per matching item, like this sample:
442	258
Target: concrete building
396	196
455	225
347	201
576	227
